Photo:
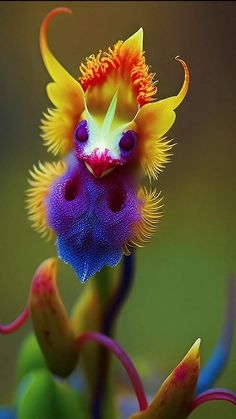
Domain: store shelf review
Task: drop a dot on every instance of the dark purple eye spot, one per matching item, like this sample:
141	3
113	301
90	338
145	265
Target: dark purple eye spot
81	132
128	140
72	189
116	198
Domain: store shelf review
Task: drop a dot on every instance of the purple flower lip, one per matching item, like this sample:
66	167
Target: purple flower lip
93	218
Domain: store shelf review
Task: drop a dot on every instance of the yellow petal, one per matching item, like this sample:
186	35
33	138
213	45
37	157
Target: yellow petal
134	44
173	399
153	121
65	93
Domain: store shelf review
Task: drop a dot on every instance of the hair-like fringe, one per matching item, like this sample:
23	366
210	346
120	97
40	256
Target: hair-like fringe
41	179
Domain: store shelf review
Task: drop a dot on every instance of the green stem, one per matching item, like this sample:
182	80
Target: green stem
113	305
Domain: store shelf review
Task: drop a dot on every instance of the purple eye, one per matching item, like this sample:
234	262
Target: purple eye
128	140
81	132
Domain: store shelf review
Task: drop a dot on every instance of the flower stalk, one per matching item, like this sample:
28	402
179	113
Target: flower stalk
128	365
213	395
111	312
12	327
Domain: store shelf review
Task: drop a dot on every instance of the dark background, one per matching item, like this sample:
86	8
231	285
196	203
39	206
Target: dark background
179	293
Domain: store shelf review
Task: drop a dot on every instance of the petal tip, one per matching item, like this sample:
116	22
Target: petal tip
134	42
48	18
195	349
44	275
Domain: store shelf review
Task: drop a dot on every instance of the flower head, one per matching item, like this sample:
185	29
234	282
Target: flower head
109	131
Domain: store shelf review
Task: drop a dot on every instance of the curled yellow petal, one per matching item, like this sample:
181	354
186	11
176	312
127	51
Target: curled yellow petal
153	121
65	93
55	69
175	101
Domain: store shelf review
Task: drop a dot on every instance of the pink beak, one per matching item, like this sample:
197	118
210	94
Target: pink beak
100	163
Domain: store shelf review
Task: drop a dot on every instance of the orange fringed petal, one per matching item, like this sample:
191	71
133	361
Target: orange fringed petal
41	179
121	69
173	399
65	93
153	121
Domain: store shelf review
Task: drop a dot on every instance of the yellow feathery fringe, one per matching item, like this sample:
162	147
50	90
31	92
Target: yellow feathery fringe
41	179
157	155
150	216
56	131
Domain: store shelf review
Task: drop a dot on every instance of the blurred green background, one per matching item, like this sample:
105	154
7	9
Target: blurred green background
179	293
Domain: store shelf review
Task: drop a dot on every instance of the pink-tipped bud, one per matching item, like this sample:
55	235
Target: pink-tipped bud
50	321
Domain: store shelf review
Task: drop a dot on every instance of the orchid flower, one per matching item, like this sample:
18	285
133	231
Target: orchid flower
109	132
63	340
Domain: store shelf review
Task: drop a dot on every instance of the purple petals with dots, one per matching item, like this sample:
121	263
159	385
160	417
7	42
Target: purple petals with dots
92	218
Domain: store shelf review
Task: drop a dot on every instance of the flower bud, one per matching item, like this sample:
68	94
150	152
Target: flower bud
50	321
175	396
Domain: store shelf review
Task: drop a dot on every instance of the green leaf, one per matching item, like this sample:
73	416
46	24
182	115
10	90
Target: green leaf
71	404
38	397
30	357
41	397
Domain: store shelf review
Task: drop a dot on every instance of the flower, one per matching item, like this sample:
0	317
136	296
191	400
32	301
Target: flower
109	133
63	341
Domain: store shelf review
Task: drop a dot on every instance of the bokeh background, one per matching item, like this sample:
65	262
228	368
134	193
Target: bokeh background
179	293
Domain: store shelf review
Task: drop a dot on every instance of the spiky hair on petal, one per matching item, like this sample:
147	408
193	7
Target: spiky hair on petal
150	213
153	121
57	130
41	179
155	156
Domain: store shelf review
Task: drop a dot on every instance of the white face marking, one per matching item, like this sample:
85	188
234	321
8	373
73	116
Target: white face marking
104	137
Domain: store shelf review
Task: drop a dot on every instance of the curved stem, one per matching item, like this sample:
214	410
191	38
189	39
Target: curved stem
211	395
116	349
16	324
125	284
